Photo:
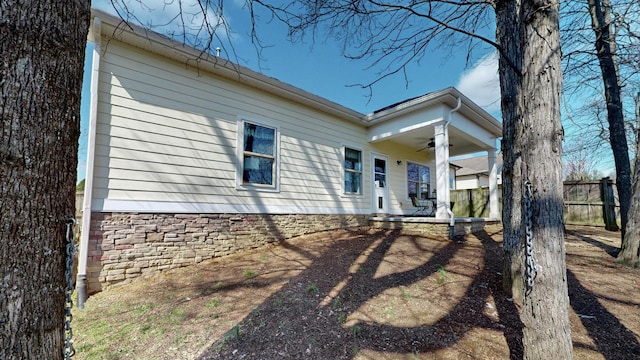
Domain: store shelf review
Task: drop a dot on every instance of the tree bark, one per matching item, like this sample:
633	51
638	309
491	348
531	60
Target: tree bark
42	49
630	249
605	49
528	33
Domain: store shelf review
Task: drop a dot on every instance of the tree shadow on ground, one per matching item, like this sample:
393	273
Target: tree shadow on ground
322	313
611	250
611	337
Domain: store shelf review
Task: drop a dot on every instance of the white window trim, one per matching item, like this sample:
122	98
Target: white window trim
240	156
406	176
343	193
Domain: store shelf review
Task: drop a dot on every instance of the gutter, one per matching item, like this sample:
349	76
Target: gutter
81	287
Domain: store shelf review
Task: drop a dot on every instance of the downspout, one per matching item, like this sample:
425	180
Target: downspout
448	204
81	286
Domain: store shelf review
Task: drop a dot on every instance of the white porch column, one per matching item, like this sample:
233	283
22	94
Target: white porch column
443	195
494	209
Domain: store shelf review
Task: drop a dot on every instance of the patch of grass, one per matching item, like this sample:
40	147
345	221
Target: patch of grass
212	304
335	302
389	312
179	339
342	318
176	316
313	288
218	285
277	302
104	335
405	293
355	330
144	328
249	273
143	308
355	350
264	258
442	274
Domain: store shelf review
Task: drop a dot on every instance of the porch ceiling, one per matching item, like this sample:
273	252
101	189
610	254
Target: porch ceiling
460	142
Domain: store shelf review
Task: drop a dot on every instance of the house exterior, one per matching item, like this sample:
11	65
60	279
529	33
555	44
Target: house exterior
191	156
473	172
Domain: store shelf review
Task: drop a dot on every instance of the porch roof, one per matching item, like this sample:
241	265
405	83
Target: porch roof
411	122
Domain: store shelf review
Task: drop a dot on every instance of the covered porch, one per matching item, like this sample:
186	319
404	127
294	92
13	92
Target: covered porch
432	129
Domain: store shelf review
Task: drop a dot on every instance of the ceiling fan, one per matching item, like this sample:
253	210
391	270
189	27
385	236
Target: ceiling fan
430	145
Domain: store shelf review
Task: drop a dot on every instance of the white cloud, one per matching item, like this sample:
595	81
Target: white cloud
481	83
169	17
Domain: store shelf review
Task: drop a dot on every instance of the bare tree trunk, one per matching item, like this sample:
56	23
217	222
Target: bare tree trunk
42	49
530	82
605	49
630	249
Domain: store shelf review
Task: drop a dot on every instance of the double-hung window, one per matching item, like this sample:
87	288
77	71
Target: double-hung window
418	181
258	155
352	171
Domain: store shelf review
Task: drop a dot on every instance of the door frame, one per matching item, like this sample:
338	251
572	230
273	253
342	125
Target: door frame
376	192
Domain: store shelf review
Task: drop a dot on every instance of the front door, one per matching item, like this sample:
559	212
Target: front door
380	184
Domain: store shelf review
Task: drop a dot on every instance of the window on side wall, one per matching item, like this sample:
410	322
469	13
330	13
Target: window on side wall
352	171
418	181
258	156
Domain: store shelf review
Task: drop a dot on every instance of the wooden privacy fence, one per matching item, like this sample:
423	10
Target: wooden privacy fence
585	202
592	202
473	202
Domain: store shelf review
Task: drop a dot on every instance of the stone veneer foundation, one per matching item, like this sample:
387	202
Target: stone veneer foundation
124	246
435	227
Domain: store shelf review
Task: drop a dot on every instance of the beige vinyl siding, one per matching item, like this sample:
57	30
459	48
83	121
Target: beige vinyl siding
167	133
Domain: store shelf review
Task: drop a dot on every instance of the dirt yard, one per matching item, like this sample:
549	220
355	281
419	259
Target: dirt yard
346	295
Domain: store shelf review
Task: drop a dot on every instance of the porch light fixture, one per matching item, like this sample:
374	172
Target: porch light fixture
399	162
